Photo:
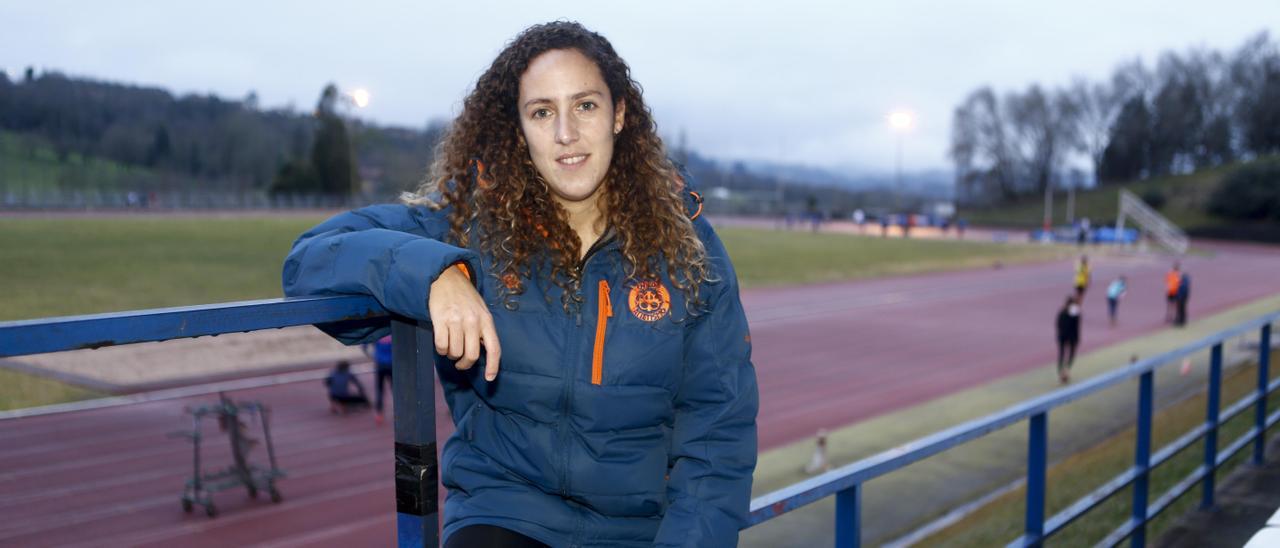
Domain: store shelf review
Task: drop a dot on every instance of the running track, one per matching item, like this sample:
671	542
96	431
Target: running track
826	356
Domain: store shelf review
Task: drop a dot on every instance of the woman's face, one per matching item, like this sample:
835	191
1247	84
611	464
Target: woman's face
569	122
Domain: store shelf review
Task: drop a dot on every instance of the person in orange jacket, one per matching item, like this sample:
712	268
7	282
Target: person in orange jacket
1172	281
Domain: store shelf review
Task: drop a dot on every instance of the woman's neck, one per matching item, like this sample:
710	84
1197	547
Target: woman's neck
586	219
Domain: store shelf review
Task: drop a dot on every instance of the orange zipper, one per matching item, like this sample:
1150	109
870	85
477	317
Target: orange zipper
604	312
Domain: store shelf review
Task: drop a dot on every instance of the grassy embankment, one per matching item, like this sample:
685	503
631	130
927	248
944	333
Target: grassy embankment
28	164
80	265
1077	475
1186	198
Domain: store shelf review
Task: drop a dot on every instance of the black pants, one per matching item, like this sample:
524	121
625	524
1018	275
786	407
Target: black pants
350	401
1067	348
382	374
489	536
1181	318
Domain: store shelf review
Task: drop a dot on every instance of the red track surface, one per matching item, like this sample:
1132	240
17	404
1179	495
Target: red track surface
826	356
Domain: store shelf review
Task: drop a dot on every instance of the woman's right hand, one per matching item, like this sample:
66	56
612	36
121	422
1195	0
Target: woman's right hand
462	322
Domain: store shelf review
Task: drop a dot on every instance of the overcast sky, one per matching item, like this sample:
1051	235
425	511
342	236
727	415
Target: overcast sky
793	81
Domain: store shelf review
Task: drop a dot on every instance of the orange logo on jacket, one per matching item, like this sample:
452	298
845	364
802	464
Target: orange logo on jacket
649	300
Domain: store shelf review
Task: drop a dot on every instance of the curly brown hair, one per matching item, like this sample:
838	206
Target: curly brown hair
483	170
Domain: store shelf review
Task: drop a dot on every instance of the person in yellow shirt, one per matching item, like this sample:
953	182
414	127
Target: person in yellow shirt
1083	276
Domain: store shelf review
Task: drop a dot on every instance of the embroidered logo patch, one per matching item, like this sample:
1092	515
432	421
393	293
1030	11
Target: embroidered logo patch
649	301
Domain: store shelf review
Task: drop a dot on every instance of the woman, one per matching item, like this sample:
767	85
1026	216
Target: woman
1068	328
622	409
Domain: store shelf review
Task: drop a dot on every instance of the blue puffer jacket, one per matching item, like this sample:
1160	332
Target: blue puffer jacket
626	422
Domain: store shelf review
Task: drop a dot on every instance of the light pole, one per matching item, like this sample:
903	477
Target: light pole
357	98
901	121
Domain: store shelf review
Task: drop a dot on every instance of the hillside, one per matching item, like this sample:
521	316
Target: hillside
1185	200
68	134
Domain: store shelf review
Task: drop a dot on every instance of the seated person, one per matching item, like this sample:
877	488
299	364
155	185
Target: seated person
339	382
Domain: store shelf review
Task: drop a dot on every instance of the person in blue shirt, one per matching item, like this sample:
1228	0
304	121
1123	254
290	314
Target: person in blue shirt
1115	291
592	345
381	353
345	391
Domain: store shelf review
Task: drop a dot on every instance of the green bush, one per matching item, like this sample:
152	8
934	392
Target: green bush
1154	198
1251	192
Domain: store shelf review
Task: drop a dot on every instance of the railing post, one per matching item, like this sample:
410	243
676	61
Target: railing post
1142	460
849	517
1260	408
1037	462
416	470
1211	423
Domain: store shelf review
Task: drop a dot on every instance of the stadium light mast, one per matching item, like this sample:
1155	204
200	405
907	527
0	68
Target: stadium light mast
901	121
359	97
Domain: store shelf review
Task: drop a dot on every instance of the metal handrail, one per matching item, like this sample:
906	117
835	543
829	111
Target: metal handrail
847	480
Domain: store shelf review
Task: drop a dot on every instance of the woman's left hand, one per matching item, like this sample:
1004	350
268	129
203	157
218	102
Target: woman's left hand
462	323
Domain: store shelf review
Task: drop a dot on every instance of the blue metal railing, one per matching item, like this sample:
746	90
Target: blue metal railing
845	483
413	395
416	472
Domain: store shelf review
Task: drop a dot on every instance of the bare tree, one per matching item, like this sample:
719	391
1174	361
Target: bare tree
1192	112
1045	130
980	148
1196	109
1097	105
1132	79
1255	74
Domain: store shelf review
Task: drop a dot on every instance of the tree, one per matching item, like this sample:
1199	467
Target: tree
1175	121
161	148
1262	128
1192	112
331	154
1255	73
295	177
1125	157
1249	193
1131	79
1097	106
1044	126
980	148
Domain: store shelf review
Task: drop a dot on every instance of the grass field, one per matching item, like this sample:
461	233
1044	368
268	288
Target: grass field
81	265
62	266
1079	474
20	390
768	257
65	266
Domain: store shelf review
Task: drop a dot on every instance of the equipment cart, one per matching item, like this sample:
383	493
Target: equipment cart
231	417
